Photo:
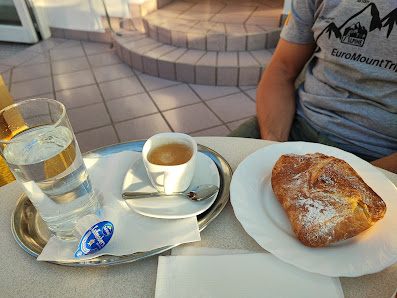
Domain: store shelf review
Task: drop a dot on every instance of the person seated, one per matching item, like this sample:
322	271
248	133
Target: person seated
348	99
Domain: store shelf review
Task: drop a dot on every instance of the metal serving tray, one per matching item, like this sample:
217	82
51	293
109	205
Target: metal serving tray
32	234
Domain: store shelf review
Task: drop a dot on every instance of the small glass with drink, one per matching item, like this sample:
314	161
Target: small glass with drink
39	146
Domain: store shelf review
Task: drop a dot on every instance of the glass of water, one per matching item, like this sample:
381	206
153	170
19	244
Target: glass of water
39	146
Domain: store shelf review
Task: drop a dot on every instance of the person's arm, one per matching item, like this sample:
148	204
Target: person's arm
275	99
387	163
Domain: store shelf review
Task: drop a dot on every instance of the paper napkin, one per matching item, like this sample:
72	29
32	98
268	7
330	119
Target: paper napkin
237	274
132	232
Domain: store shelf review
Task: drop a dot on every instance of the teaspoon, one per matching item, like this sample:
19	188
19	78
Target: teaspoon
199	193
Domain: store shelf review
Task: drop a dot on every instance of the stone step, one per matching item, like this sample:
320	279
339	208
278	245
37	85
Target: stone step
216	26
232	68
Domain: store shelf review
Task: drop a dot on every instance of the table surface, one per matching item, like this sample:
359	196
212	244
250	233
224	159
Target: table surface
26	276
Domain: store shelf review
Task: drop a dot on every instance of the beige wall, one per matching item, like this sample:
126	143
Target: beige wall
82	14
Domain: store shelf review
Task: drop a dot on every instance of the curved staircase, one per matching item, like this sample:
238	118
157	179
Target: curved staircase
209	42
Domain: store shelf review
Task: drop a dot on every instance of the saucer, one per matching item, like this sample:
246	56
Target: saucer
137	179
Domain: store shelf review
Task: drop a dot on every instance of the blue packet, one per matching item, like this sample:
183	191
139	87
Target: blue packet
95	238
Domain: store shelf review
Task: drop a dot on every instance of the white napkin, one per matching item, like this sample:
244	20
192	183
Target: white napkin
132	232
238	274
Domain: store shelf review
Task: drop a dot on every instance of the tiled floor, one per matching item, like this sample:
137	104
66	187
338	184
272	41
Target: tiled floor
215	25
222	11
108	102
9	49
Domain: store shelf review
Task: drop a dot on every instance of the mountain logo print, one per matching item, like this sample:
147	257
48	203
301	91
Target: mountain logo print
356	29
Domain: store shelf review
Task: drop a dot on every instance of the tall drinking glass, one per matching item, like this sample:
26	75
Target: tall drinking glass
38	144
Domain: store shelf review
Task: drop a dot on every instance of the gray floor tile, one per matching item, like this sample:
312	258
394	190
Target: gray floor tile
70	65
121	88
174	97
93	48
131	107
233	107
40	58
66	53
62	42
96	138
246	88
191	118
44	95
31	88
218	131
80	96
73	80
154	83
44	45
10	49
197	16
233	14
104	59
18	58
31	72
251	93
210	92
141	128
112	72
4	68
88	117
6	76
66	43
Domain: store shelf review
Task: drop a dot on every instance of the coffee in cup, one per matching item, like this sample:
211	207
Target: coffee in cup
170	161
171	154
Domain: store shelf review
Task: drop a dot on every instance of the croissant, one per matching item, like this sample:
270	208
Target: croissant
324	198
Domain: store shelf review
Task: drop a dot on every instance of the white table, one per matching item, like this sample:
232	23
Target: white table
22	275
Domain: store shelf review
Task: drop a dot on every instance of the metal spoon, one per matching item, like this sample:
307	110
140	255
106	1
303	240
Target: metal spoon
199	193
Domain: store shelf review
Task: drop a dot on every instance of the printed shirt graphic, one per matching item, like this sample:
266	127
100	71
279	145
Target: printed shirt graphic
350	90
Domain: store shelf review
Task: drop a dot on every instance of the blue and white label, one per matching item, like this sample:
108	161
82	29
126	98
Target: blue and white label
95	238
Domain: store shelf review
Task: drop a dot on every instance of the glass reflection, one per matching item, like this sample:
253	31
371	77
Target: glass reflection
8	13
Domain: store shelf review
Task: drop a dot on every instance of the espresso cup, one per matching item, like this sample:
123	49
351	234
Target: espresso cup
170	161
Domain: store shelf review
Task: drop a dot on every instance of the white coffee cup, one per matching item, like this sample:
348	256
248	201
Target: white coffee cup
170	178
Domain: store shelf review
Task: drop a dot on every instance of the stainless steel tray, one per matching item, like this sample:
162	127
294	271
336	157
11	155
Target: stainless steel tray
32	234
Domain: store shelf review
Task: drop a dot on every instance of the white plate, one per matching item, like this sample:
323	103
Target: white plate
137	180
263	218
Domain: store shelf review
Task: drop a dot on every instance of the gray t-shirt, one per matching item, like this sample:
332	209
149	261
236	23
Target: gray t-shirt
350	88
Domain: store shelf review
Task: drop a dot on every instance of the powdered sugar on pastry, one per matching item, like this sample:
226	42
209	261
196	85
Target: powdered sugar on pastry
316	211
